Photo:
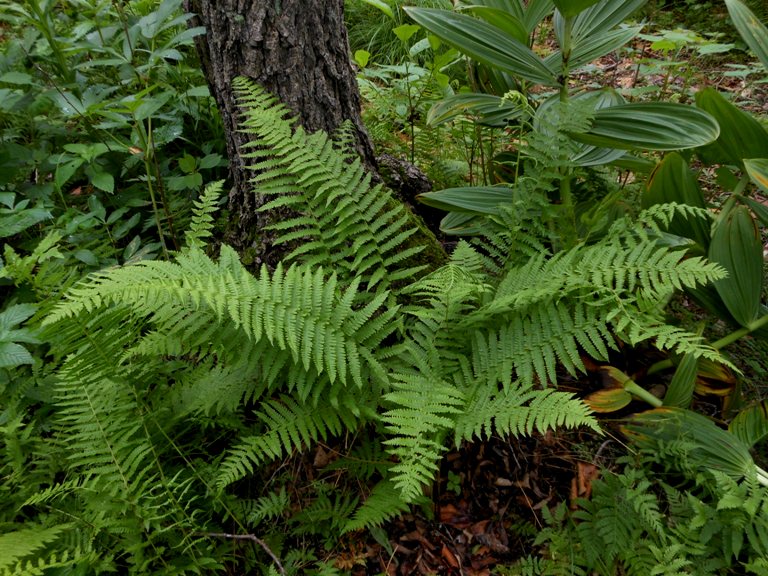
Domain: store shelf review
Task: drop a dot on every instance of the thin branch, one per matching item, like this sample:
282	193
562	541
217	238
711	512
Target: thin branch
252	538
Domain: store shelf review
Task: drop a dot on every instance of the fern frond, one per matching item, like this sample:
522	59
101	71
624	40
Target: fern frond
16	545
289	426
424	411
299	310
519	412
343	222
383	503
201	226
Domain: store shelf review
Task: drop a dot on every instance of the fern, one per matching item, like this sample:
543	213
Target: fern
177	382
14	546
383	503
201	225
343	222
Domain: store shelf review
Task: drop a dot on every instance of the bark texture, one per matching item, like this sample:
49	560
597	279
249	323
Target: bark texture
296	49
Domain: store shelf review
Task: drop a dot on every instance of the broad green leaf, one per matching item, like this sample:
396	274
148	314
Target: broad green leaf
757	168
760	210
673	181
462	224
18	78
705	445
489	109
362	57
680	391
751	424
469	199
502	20
751	29
570	8
737	246
650	126
405	32
15	315
381	5
602	17
593	47
100	178
12	354
536	11
485	43
608	400
741	135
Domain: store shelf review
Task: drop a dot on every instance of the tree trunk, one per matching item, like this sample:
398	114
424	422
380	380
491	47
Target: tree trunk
296	49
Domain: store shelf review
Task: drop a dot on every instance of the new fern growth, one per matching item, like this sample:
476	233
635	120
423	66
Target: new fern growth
160	358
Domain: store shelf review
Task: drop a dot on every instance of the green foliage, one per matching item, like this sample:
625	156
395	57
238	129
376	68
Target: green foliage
146	375
643	521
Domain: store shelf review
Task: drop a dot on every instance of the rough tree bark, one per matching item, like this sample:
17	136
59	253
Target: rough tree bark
296	49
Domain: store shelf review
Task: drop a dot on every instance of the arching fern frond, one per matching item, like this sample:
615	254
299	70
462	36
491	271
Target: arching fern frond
289	426
343	222
520	412
383	503
298	310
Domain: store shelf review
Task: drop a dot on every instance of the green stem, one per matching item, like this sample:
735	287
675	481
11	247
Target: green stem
636	390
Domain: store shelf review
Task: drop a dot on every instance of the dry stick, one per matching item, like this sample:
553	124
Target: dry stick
252	538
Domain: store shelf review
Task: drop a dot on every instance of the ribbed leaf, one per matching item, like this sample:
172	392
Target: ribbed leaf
468	199
706	446
680	391
741	136
737	247
502	20
608	400
603	17
757	168
751	425
650	126
570	8
673	181
485	43
489	109
751	29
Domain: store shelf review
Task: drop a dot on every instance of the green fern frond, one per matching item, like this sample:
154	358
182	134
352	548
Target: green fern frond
289	426
424	411
383	503
201	226
342	221
16	545
519	412
298	310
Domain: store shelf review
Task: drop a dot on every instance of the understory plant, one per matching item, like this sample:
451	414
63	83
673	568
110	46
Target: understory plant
173	389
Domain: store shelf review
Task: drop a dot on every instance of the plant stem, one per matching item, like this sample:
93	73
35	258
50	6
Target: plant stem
636	390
